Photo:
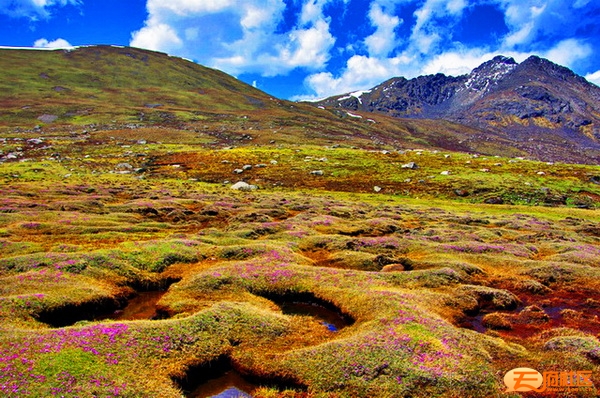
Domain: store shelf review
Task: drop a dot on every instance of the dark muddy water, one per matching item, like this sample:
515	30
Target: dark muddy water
330	319
142	306
229	385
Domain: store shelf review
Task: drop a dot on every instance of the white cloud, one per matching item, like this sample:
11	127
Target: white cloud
434	25
186	7
383	41
520	36
361	73
308	46
594	78
251	36
157	36
312	10
531	22
58	43
455	63
456	6
239	36
32	9
568	52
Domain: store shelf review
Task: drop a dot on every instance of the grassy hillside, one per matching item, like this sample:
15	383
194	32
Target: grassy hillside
101	83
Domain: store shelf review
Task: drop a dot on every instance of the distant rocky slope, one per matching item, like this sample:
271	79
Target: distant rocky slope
542	108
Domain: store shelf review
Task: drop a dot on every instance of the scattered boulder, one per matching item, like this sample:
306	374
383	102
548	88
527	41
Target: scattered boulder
247	167
124	166
47	118
317	172
494	201
410	165
243	186
238	171
445	173
377	188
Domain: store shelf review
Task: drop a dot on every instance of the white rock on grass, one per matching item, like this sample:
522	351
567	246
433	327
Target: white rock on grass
243	186
317	172
410	165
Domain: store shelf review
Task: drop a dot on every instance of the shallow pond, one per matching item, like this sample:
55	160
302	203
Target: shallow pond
229	385
329	318
142	306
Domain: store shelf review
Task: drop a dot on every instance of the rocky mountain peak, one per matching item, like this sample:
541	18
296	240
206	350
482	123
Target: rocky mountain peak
542	68
490	72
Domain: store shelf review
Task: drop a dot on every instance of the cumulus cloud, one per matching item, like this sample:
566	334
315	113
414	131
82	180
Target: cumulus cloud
535	27
361	73
568	52
239	36
157	36
54	44
394	38
383	41
594	78
533	21
32	9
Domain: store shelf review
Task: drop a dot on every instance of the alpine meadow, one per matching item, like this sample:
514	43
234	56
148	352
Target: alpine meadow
167	230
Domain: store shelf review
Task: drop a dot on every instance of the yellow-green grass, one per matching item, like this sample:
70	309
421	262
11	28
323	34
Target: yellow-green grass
232	250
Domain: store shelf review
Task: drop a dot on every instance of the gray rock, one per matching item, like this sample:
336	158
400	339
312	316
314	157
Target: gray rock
243	186
317	172
238	171
247	167
410	165
47	118
571	344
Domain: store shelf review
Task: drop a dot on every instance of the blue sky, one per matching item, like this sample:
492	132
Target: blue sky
303	49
